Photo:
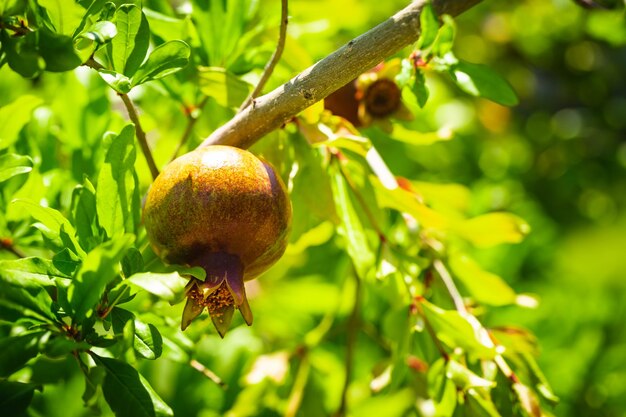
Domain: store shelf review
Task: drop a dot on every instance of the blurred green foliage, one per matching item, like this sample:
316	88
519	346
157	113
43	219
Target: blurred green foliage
557	160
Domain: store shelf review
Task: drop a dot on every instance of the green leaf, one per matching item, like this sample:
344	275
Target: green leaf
445	38
407	202
99	268
481	81
66	262
429	26
413	137
57	51
13	117
16	351
128	49
115	80
351	226
477	406
538	378
29	272
35	304
493	229
390	405
169	287
465	379
128	393
55	223
420	89
84	215
148	342
441	389
459	331
166	59
117	185
485	287
15	397
65	15
12	165
227	89
22	54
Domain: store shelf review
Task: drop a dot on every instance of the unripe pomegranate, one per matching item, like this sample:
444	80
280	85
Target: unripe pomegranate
225	210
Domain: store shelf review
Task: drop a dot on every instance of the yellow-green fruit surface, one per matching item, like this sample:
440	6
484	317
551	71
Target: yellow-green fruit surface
218	200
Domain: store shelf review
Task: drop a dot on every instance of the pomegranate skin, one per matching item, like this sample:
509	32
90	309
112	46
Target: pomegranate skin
218	199
225	210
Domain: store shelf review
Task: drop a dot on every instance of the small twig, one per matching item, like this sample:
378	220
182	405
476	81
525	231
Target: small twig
192	119
269	67
352	333
21	30
207	373
7	244
141	135
299	384
450	286
110	307
134	117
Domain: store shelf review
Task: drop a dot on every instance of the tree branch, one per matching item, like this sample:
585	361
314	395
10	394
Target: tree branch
331	73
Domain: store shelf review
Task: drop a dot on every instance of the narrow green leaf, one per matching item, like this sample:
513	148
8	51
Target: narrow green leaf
484	286
84	215
12	165
458	331
128	49
445	38
128	393
15	397
441	389
99	268
351	226
169	287
493	229
148	342
429	26
481	81
539	379
406	202
477	406
166	59
391	405
55	223
117	184
16	351
413	137
14	116
27	303
420	89
29	272
227	89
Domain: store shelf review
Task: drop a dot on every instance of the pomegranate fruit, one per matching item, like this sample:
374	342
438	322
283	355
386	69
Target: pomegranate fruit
225	210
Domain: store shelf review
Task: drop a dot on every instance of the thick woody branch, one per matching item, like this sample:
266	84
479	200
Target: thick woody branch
272	110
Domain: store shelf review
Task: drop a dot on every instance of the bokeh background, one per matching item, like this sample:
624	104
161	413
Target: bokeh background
558	160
